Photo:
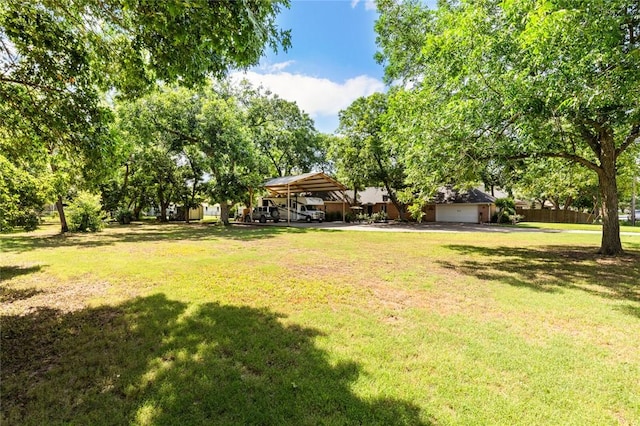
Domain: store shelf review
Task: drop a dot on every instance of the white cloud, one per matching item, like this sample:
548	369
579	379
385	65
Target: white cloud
277	67
368	4
316	96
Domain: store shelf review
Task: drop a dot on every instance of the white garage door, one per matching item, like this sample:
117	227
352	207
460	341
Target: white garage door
457	213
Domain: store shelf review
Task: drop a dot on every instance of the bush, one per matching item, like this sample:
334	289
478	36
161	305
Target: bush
124	216
506	211
86	213
29	221
22	196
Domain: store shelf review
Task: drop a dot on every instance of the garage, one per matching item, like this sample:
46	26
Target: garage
457	213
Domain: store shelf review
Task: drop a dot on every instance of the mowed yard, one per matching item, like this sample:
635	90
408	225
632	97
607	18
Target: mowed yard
193	324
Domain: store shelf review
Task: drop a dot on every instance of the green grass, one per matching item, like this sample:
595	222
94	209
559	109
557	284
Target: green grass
575	226
198	324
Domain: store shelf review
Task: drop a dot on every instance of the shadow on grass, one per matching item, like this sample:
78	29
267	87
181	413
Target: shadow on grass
634	311
8	294
9	272
153	361
553	268
143	233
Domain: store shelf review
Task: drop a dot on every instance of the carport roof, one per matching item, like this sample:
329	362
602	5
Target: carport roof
307	182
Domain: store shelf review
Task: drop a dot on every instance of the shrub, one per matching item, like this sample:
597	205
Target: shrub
124	216
506	211
22	196
29	220
86	213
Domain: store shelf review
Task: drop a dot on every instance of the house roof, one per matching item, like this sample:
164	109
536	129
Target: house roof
449	195
372	195
445	195
307	182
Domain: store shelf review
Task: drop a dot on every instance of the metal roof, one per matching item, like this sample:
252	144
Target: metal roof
307	182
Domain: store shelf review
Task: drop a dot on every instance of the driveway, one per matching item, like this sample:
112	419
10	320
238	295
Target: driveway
432	227
429	227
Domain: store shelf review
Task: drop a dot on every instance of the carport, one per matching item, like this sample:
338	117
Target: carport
307	182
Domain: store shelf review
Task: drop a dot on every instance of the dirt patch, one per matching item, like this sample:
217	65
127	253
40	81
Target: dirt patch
68	297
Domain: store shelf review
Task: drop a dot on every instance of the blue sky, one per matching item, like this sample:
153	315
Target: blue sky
330	63
331	37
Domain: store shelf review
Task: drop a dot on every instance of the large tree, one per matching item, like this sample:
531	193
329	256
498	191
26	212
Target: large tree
204	134
362	153
284	134
515	79
57	57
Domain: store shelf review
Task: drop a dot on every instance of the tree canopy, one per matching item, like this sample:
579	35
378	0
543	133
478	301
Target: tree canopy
57	59
363	155
507	79
216	142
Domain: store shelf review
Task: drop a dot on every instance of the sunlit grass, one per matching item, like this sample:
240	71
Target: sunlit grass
198	324
595	227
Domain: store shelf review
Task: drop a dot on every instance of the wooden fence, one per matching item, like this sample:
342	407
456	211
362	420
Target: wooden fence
555	216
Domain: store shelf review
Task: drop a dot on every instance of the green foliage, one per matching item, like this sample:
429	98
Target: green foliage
124	216
364	154
86	213
59	58
22	197
563	183
506	211
371	218
234	138
284	135
350	217
507	80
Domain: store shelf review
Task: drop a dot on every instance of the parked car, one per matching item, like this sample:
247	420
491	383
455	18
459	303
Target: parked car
637	216
263	214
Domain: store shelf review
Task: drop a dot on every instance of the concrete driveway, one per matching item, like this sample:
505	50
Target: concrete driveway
431	227
427	227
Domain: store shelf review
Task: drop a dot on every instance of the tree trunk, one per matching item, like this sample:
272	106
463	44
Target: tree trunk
402	209
224	213
59	206
186	211
163	211
611	244
63	219
136	212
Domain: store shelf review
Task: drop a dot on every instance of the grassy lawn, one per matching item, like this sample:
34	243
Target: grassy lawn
575	226
177	324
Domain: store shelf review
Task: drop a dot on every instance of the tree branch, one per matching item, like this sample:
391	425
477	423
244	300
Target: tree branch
30	84
572	157
632	137
176	132
591	140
